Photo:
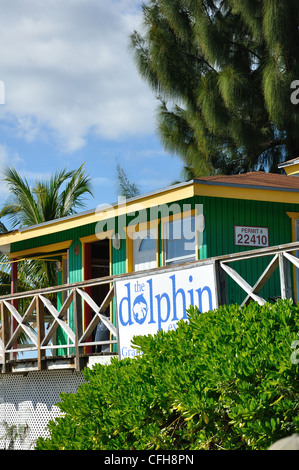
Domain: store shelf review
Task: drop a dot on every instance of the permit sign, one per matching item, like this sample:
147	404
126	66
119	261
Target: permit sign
251	236
150	303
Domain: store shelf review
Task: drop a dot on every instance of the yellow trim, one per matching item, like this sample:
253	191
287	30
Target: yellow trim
41	258
293	216
83	261
253	194
91	239
96	237
110	258
64	273
167	196
172	218
292	169
129	255
129	240
152	200
42	249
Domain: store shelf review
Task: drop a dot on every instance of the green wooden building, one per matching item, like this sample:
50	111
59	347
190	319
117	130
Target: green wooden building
213	215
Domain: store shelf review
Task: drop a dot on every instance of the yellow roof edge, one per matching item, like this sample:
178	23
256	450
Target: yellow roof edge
292	169
163	196
249	193
51	248
102	212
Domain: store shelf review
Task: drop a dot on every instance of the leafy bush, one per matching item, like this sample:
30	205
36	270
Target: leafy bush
223	380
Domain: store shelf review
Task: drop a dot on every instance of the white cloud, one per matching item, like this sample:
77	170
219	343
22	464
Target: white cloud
145	154
66	68
7	158
3	156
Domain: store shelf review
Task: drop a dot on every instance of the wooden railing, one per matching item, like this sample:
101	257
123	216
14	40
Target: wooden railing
40	320
41	312
282	257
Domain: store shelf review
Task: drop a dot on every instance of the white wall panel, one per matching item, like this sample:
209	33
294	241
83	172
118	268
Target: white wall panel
28	402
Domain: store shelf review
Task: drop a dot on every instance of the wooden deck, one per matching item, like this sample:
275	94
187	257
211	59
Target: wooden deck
39	322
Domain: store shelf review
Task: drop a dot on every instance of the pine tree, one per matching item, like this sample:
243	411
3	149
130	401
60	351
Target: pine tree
125	187
222	71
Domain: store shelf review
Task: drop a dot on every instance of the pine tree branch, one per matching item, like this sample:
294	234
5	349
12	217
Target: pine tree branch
246	48
201	59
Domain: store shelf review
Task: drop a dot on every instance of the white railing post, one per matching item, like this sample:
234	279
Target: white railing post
78	328
285	277
40	323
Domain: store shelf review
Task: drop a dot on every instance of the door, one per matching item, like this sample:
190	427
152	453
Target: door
145	250
97	265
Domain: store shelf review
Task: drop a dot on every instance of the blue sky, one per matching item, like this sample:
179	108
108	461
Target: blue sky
73	95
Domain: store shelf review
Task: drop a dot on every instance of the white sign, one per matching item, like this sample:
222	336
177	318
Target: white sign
148	304
251	236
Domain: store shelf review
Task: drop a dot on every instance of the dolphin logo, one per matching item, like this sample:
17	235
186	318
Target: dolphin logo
140	309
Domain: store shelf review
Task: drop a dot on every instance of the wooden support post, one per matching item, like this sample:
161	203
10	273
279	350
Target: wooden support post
14	280
78	329
87	275
285	277
14	302
40	320
221	285
5	335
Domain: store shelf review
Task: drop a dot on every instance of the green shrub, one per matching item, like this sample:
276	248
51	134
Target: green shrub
226	379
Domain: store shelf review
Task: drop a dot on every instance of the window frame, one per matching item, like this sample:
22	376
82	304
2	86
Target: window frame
180	259
153	224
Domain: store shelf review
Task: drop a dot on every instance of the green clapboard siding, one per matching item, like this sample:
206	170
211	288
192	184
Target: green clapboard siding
119	266
222	214
75	275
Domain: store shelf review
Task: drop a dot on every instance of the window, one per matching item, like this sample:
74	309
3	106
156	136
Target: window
145	250
180	240
147	244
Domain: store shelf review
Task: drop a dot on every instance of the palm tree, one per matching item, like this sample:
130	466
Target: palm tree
47	200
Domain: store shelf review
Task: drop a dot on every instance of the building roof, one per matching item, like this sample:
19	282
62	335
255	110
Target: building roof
251	186
291	167
255	179
288	162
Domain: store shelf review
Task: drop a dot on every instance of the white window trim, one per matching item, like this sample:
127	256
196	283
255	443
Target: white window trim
134	229
187	214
